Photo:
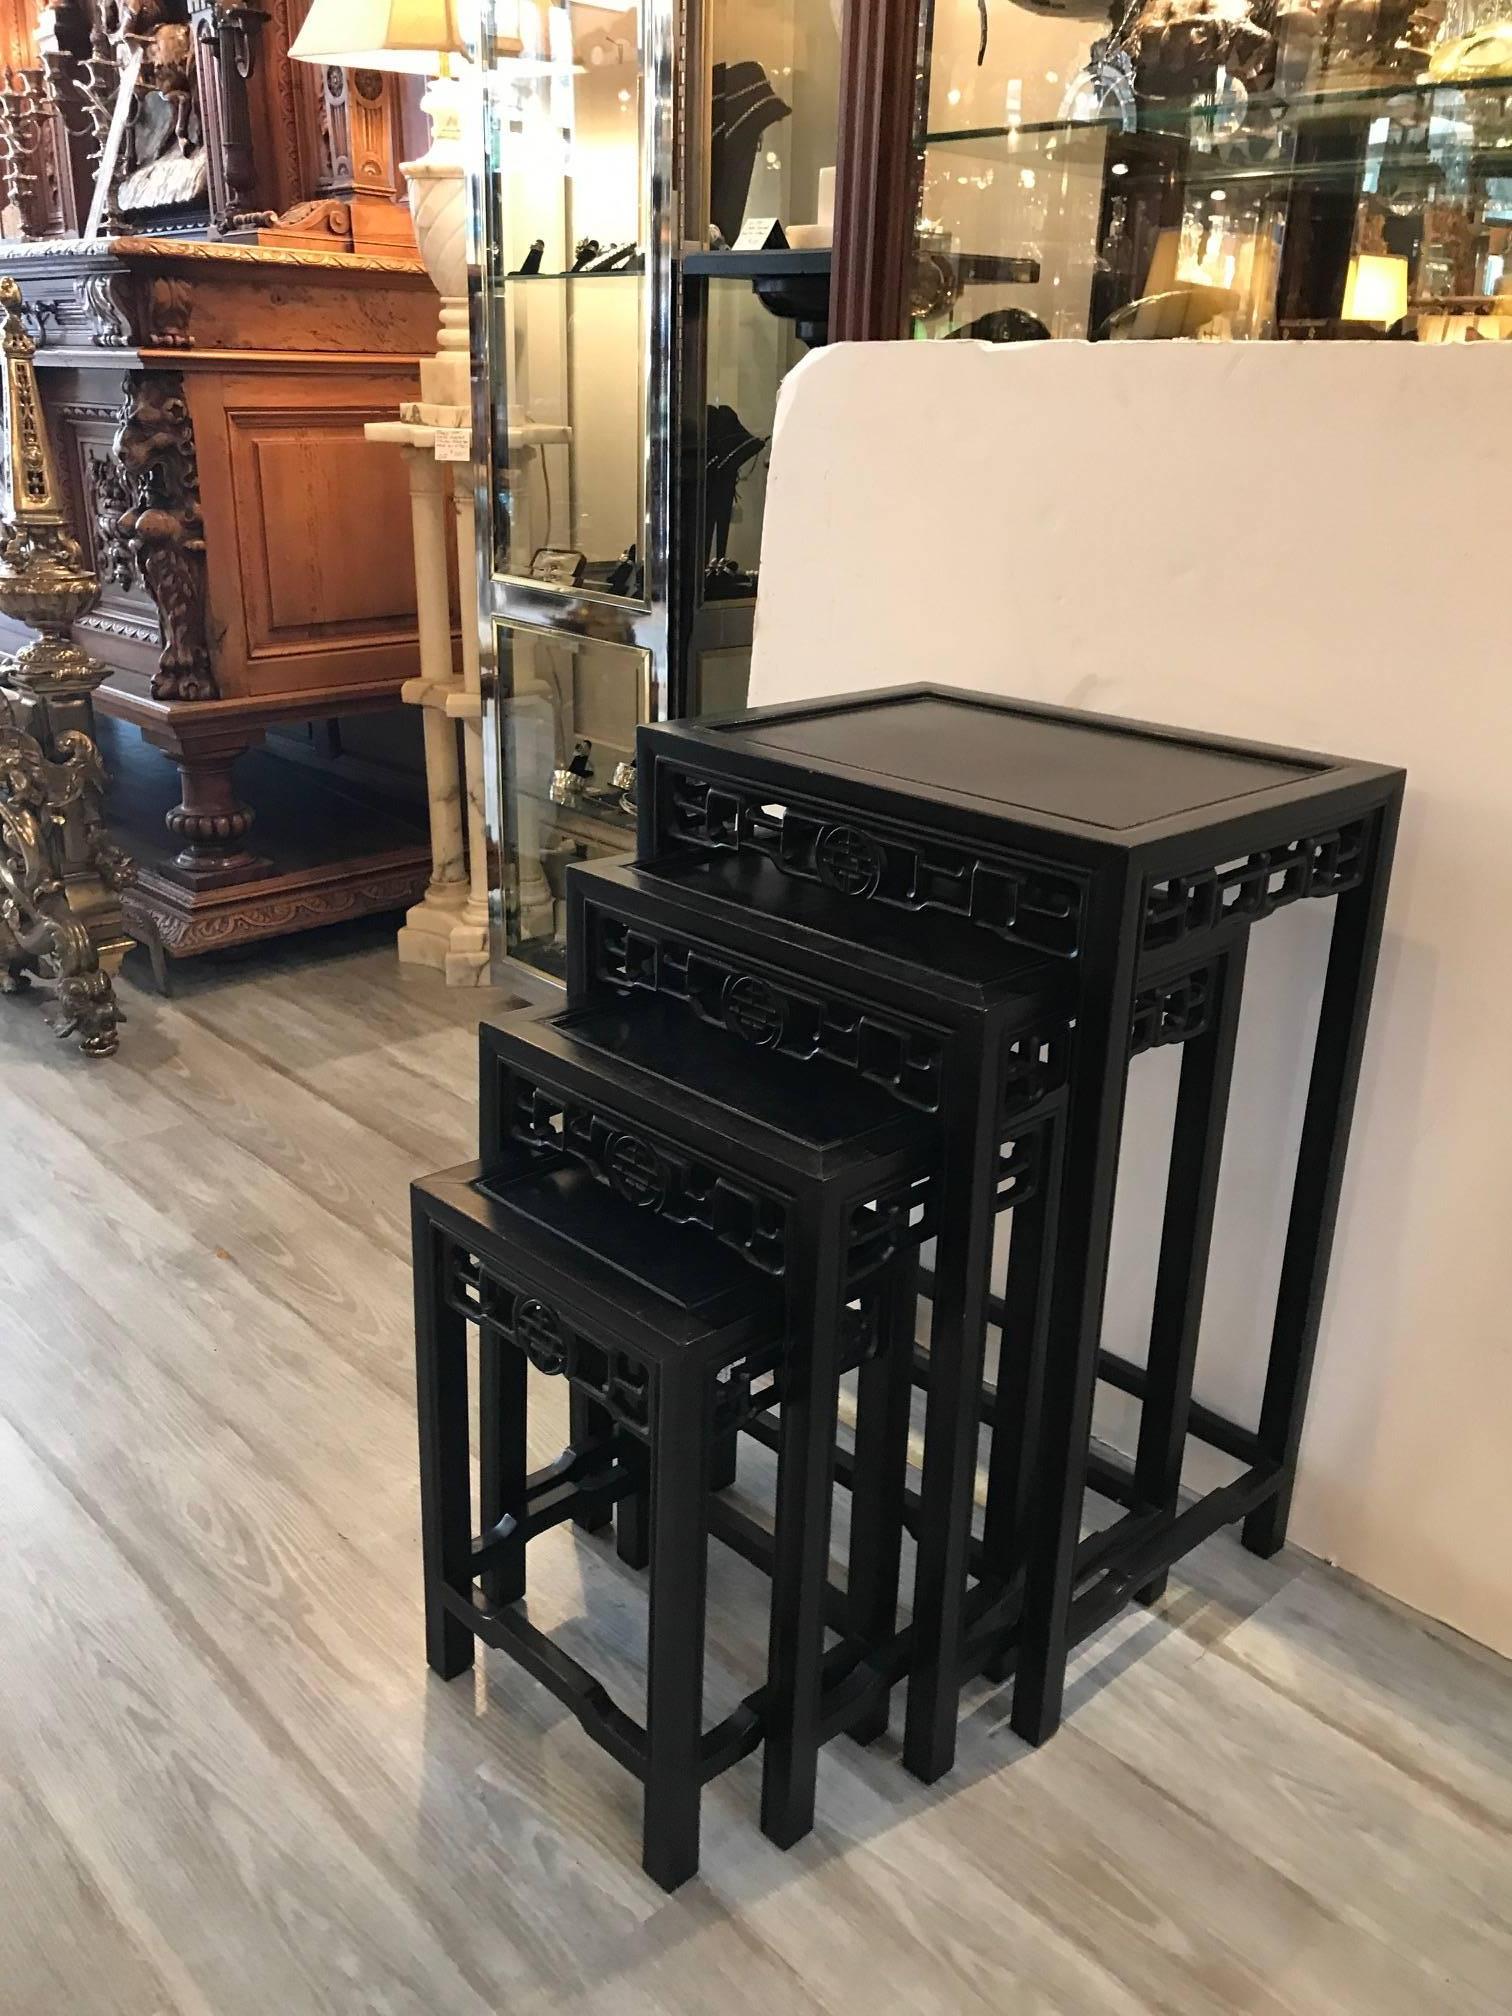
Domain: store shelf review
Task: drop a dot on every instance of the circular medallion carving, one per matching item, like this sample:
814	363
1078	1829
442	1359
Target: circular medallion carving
539	1335
753	1011
637	1172
849	861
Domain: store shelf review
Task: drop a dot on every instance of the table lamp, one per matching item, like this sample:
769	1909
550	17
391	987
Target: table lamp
423	37
1375	287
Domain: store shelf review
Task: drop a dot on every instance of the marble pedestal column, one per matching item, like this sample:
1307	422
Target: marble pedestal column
448	927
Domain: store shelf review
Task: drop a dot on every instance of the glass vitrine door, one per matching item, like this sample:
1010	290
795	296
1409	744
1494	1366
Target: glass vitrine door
654	257
575	306
760	151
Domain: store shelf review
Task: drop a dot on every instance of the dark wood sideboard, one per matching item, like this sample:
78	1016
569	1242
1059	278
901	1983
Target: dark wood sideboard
207	401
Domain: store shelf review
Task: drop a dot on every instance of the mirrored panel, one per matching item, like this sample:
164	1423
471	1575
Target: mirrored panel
751	349
723	679
566	298
773	85
568	710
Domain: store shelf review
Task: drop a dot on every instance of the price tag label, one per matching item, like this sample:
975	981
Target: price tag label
453	444
759	234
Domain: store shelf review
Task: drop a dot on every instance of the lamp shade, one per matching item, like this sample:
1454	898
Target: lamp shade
1375	289
383	34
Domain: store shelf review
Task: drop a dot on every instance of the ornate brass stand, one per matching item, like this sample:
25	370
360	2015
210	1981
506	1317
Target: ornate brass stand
60	916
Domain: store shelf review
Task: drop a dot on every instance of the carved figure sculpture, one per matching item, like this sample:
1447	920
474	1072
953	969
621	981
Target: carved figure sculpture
163	528
160	30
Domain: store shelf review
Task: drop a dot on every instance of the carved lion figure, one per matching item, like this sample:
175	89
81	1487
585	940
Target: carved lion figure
164	530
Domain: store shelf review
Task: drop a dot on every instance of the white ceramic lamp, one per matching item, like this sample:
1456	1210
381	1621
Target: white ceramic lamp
423	37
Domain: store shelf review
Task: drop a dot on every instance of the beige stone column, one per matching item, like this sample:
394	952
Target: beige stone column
467	961
448	927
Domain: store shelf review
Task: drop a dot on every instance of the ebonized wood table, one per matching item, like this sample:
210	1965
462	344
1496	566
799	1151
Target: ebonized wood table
1141	857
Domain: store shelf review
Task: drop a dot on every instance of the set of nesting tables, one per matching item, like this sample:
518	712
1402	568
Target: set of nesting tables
875	979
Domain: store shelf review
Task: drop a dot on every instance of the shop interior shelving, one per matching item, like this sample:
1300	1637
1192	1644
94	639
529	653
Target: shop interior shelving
627	413
1342	197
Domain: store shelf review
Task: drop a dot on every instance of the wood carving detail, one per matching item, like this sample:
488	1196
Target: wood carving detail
35	152
117	626
289	181
216	252
108	500
324	213
20	149
102	296
153	910
163	527
226	34
169	301
355	126
335	160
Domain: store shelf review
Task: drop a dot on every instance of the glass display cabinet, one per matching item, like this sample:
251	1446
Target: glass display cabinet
1218	169
653	256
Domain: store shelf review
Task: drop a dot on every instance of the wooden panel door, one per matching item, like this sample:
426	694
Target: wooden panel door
321	590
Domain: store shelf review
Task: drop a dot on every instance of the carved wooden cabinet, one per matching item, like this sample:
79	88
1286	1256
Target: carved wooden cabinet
223	135
208	402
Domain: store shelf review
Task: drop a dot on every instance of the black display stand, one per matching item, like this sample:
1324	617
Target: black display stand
966	913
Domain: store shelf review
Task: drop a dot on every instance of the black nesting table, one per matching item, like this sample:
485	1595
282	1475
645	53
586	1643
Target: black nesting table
1139	858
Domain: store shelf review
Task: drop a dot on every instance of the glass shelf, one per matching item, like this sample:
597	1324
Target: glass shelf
1246	158
569	708
1177	116
756	265
525	279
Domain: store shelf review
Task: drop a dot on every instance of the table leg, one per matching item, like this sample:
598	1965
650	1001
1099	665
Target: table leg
1207	1069
502	1374
1352	957
589	1422
632	1515
445	1471
883	1397
1094	1123
958	1335
679	1573
800	1564
1023	1338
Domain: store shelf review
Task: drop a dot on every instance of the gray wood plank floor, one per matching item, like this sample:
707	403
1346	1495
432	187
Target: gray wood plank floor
228	1784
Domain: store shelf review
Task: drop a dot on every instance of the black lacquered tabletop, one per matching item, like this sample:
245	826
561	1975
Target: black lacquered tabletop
1064	766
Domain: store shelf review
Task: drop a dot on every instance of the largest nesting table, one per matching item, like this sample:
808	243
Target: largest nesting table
1136	858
